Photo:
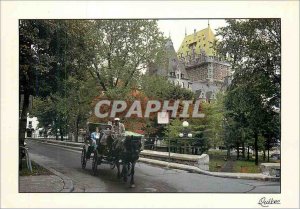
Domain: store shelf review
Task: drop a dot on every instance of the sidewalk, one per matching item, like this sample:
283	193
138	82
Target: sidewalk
54	182
248	176
42	183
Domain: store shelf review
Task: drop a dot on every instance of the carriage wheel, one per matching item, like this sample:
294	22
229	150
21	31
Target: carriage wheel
95	163
83	158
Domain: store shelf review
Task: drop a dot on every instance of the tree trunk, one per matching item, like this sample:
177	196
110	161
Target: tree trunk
56	134
22	126
268	144
237	151
228	152
243	150
76	129
248	149
256	147
61	134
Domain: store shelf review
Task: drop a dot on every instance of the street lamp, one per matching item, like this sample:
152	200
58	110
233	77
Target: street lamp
185	124
185	131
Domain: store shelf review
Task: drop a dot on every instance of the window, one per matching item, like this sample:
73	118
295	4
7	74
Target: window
192	45
178	76
182	76
183	84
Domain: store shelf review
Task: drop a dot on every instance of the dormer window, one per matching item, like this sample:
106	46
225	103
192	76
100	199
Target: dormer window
172	74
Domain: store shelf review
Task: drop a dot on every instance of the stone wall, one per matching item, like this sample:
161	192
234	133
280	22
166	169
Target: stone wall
198	73
220	71
211	71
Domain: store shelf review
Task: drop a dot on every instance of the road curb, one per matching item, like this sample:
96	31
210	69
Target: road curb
194	169
68	183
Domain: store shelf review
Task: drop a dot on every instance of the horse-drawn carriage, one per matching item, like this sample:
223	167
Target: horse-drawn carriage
110	148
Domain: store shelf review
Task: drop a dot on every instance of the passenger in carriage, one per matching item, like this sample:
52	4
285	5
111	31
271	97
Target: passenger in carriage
94	137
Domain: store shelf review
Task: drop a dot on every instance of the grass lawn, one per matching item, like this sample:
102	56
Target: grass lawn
217	152
243	166
36	170
217	163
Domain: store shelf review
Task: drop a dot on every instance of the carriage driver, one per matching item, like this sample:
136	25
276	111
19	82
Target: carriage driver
118	129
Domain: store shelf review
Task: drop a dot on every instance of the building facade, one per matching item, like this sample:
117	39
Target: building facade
195	66
32	127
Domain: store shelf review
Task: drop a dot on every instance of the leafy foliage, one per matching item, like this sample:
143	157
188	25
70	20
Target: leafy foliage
121	49
253	48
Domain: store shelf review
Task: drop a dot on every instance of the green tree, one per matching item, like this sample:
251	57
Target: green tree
121	49
34	61
57	72
253	48
158	87
214	112
80	93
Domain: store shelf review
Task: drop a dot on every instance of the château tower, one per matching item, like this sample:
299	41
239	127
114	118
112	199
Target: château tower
196	65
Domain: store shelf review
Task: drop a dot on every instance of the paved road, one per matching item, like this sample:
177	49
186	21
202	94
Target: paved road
148	178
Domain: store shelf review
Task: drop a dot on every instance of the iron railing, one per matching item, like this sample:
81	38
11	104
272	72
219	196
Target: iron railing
174	145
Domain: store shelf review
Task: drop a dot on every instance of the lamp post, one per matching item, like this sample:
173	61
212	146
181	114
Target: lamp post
185	133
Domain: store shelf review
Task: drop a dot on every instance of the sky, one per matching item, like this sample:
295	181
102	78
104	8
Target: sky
176	28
